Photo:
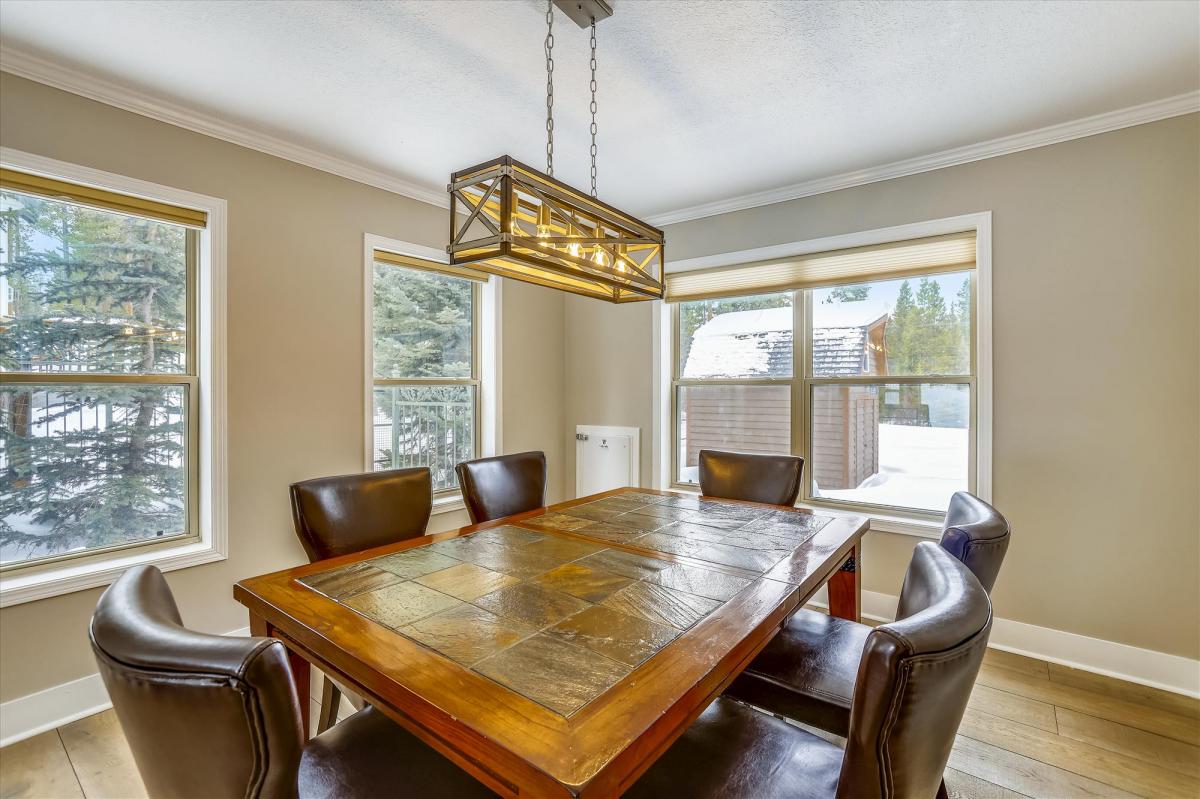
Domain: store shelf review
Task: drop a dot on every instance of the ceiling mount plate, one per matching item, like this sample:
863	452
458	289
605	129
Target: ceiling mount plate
585	11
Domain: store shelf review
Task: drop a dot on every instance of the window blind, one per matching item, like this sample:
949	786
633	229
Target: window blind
950	253
412	262
37	185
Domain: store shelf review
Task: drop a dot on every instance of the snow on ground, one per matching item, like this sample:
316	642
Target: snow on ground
919	467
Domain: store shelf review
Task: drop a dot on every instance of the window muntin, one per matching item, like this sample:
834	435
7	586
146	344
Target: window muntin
425	352
882	401
99	403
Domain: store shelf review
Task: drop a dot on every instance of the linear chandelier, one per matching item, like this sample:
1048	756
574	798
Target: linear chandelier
512	220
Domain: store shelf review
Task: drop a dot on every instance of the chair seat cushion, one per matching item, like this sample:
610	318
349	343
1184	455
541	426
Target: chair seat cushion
368	755
735	752
807	672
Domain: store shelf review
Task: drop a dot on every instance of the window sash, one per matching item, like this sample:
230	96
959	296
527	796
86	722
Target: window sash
803	383
474	381
188	380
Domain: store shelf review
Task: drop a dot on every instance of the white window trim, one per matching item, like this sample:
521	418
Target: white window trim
662	432
489	355
69	576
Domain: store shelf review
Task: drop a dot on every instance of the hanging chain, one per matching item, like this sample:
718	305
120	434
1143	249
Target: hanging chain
593	107
550	87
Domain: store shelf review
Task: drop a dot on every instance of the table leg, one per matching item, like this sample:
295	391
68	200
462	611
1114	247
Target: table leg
301	671
845	587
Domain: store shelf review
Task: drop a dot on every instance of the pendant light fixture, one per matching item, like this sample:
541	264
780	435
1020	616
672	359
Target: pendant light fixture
515	221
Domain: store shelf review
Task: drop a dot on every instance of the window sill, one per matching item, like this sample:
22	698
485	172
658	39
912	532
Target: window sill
70	577
886	523
880	522
448	504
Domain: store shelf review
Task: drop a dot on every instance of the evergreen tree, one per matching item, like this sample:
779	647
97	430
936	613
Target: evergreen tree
92	464
422	329
847	294
924	337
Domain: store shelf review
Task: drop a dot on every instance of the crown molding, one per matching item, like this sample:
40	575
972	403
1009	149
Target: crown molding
78	82
38	69
1178	105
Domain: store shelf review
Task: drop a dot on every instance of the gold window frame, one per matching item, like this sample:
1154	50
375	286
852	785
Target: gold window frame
194	222
802	384
477	279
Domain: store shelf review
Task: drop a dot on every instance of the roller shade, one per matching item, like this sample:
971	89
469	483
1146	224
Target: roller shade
396	259
37	185
950	253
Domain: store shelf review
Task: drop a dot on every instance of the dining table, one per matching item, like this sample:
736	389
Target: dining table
559	652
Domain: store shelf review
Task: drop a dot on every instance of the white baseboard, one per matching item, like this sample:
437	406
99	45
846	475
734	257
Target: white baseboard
1143	666
27	716
36	713
53	707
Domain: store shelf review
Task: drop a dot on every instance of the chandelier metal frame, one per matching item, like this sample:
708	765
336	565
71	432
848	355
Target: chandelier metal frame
512	220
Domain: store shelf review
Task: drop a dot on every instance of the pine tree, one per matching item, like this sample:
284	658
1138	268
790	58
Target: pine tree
899	332
847	294
92	464
422	329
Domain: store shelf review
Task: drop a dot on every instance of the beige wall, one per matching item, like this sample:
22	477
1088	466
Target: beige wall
294	385
608	375
1096	277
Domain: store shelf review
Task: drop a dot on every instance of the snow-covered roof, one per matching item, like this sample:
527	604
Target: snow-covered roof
759	342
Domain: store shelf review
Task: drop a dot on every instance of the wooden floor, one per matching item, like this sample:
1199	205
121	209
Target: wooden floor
1033	729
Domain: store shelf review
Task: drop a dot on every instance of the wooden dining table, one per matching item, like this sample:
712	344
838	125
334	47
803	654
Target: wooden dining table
560	652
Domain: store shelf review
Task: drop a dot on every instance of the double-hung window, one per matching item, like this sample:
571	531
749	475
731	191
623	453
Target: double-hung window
861	361
425	319
100	373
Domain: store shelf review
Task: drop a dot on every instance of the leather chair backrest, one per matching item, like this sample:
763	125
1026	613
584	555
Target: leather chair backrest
774	479
976	534
496	487
914	680
205	715
339	515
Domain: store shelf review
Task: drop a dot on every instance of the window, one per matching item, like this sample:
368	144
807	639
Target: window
425	365
99	371
871	381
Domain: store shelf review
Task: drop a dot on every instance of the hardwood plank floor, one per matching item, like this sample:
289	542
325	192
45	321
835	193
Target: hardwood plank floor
1032	730
38	768
101	757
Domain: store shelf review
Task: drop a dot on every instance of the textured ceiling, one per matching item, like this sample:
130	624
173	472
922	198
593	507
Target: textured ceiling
699	101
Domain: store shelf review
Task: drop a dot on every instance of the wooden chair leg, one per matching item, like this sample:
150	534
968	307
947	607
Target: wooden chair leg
331	701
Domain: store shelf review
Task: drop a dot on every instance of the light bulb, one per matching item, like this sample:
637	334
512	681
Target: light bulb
543	222
515	222
599	257
622	255
573	249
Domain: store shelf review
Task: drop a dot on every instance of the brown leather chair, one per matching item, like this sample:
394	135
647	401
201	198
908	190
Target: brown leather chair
774	479
497	487
349	513
339	515
807	671
211	716
976	533
913	683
